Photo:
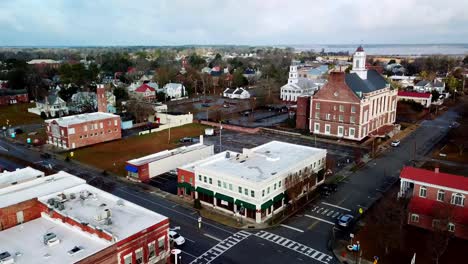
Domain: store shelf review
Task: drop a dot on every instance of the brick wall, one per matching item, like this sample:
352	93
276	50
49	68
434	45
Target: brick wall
187	176
20	98
31	210
105	256
302	112
142	239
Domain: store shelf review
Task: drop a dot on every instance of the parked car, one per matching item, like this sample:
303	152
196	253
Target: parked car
205	105
345	220
395	143
188	139
327	188
178	239
19	131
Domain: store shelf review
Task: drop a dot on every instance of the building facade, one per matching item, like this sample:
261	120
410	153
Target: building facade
252	185
425	99
77	131
146	92
147	167
302	81
438	200
61	219
353	106
9	97
51	106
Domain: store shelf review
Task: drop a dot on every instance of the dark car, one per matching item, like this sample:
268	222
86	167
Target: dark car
327	189
188	139
19	131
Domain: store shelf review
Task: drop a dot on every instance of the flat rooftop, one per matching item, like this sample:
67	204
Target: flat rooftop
165	154
81	118
14	194
26	240
87	204
19	175
260	163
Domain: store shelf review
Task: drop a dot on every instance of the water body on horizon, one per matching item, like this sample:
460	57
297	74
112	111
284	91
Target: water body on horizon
392	49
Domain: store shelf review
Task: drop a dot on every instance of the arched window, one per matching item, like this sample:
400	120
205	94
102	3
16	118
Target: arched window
458	199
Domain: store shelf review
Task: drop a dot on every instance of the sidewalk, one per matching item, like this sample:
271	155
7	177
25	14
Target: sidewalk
345	256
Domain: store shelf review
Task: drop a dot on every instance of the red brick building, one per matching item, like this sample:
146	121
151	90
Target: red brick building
8	97
438	200
77	131
351	106
61	219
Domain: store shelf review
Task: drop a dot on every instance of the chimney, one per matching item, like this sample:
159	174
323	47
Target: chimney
436	169
101	98
336	77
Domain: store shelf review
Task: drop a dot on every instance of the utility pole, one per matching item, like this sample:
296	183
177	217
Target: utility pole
220	132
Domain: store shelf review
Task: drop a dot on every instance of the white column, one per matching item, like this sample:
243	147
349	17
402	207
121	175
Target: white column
258	216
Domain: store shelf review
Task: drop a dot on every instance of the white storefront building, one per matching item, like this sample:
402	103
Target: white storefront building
252	184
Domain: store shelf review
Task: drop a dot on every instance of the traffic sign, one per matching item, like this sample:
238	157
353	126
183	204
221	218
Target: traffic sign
351	235
176	251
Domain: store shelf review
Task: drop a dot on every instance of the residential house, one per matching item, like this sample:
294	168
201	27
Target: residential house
175	90
237	93
351	106
52	105
438	200
425	86
425	99
403	81
146	92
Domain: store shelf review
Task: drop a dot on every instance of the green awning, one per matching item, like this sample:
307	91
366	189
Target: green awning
267	204
205	191
224	197
246	204
185	185
278	197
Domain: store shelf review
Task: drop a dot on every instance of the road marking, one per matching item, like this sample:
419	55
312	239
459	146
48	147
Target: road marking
320	219
175	211
292	228
313	225
189	239
185	252
175	205
325	211
220	248
194	212
295	246
319	210
212	237
335	214
336	206
330	213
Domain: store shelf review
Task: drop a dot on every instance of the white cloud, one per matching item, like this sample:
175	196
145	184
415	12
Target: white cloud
149	22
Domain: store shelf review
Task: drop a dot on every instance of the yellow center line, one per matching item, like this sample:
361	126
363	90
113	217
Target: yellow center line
312	225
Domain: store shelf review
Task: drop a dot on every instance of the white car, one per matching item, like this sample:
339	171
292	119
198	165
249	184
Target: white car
178	239
395	143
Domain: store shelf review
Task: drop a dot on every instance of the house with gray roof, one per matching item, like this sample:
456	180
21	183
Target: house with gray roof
426	86
52	105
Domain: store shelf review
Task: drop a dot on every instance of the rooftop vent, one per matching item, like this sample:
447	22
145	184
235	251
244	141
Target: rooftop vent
120	202
6	258
74	250
228	154
51	239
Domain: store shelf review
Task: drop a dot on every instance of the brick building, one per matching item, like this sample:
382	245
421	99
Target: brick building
351	106
61	219
8	97
77	131
438	200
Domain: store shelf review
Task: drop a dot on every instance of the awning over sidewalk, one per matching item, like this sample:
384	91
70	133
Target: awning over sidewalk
267	204
224	197
185	185
278	197
246	205
205	191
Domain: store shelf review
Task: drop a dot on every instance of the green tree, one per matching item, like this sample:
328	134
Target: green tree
238	79
196	61
66	93
453	84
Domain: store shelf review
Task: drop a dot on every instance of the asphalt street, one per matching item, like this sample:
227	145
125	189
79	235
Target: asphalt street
300	239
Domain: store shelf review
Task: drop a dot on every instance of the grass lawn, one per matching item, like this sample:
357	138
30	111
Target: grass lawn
18	114
104	155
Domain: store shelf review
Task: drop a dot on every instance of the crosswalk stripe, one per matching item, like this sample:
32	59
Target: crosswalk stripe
325	211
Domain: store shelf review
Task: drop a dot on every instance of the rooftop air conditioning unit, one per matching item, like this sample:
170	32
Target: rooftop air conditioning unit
51	239
6	258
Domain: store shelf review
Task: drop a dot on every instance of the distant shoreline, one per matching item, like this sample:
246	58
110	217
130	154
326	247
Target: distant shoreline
394	50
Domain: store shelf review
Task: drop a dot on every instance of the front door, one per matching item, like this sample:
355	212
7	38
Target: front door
19	217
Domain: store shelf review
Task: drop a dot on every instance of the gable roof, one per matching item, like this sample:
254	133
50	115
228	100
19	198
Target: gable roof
422	83
374	82
435	178
143	88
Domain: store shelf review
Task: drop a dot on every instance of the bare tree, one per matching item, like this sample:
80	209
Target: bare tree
140	110
440	236
299	183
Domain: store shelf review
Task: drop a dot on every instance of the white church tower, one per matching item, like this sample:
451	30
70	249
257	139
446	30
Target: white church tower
293	73
359	63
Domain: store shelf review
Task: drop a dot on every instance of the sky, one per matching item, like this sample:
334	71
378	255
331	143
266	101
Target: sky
239	22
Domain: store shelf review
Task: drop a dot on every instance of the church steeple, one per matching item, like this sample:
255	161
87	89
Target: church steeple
359	63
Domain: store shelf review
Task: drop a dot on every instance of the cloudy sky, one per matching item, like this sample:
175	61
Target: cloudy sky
251	22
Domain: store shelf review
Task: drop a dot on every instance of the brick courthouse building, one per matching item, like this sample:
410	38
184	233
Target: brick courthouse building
351	106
